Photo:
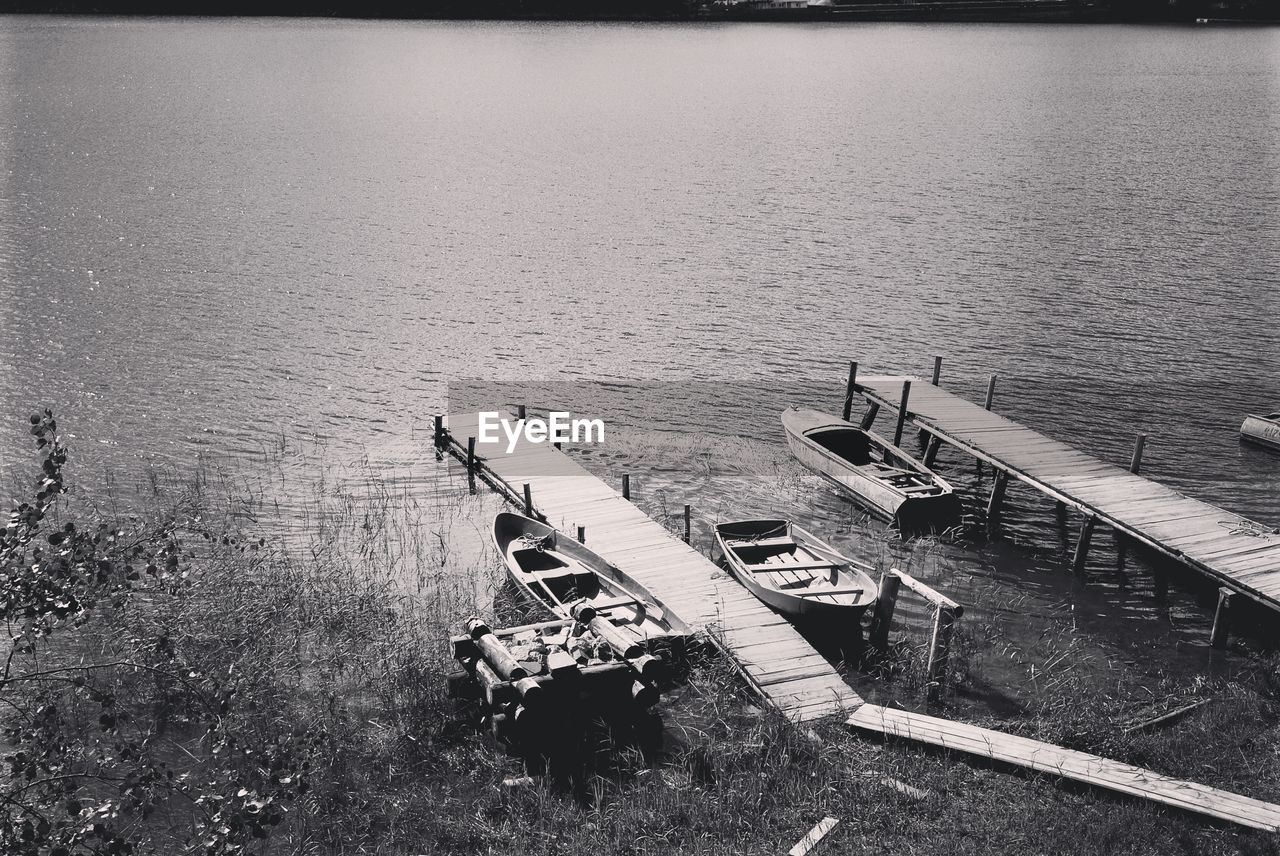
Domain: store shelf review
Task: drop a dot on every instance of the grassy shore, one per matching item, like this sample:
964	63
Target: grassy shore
219	689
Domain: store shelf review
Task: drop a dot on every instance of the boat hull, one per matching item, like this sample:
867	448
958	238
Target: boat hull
934	511
807	609
1262	431
563	572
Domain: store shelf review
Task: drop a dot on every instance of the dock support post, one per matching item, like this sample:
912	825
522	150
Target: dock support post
1138	444
687	524
882	617
528	501
471	463
626	485
996	500
902	412
520	411
582	534
870	416
850	388
1222	619
937	375
931	453
1082	544
439	433
991	392
944	619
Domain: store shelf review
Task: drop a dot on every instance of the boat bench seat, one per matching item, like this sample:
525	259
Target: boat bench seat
763	569
610	603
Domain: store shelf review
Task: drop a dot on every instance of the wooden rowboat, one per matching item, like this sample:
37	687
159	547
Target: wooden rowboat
882	476
794	572
1263	430
558	571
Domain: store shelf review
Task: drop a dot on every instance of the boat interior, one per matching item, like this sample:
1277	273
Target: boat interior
855	447
567	582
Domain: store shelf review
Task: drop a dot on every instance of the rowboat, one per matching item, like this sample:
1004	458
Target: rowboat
1263	430
882	476
558	571
794	572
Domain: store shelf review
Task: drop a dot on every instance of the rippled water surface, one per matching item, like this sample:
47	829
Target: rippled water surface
226	236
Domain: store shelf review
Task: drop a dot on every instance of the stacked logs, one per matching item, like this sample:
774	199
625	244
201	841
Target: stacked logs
540	685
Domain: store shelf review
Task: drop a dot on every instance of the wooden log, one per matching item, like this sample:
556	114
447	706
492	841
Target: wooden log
931	453
991	392
462	685
650	667
528	500
850	389
996	501
1222	619
1138	444
644	695
939	652
869	417
492	650
902	412
496	690
1082	545
530	690
882	617
626	485
621	645
688	531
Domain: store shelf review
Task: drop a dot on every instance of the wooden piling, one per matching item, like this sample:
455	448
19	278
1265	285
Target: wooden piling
931	453
869	417
937	370
996	501
528	500
882	617
944	619
520	411
902	412
991	392
626	485
850	388
471	463
1139	443
1082	544
688	530
582	534
1222	619
438	436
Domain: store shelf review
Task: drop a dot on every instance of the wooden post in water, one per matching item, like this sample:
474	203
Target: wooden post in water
937	375
1139	443
991	392
439	433
582	534
688	532
528	501
850	388
944	619
931	453
870	416
882	617
1222	619
626	485
520	411
1082	545
996	500
902	412
471	463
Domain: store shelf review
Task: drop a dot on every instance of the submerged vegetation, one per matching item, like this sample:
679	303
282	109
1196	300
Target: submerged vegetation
180	683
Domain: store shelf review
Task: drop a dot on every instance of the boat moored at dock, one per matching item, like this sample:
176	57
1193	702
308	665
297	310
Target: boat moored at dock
882	476
1262	430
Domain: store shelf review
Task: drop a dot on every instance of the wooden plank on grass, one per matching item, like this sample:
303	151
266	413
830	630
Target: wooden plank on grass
819	831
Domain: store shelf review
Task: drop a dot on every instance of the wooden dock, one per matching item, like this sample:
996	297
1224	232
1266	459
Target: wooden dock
776	660
1068	764
1242	555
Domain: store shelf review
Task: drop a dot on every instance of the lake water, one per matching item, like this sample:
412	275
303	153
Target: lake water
225	236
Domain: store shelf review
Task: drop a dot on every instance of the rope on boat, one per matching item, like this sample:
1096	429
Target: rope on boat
533	542
1246	527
